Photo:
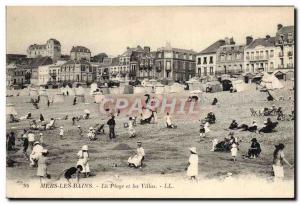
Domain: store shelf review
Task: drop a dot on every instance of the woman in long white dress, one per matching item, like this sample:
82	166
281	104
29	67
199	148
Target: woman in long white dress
192	168
137	160
83	157
278	161
131	130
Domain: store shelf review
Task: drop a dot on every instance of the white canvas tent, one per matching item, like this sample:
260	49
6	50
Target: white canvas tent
94	88
194	84
270	82
239	85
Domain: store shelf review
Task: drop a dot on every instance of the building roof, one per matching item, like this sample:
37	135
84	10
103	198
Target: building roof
129	50
81	61
266	42
37	47
115	61
56	42
80	49
286	29
213	47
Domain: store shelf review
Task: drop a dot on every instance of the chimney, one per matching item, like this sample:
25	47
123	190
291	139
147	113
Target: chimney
128	48
231	41
249	39
268	37
279	26
146	48
227	41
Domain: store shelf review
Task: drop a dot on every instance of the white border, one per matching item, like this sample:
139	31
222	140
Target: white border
5	3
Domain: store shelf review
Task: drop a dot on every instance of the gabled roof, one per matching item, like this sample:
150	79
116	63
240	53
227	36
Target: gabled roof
56	42
80	49
266	42
286	29
129	50
73	62
213	47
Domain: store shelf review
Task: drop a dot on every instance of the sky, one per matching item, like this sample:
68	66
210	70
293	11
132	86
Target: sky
112	29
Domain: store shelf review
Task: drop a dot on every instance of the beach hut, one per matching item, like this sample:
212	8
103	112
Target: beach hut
104	89
284	74
159	88
128	89
94	88
177	88
139	89
214	86
239	85
270	82
194	84
79	94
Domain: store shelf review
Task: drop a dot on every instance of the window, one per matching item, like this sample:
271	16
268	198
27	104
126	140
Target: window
199	60
261	56
271	65
211	70
252	55
204	60
211	60
272	53
83	68
90	69
199	72
267	54
205	71
247	55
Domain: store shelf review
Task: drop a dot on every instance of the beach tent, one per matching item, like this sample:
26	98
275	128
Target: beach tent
10	109
79	93
99	97
215	86
139	89
194	84
239	85
94	88
270	82
284	74
176	88
128	89
159	88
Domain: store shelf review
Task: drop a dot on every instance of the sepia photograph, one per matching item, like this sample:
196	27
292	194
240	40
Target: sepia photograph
150	102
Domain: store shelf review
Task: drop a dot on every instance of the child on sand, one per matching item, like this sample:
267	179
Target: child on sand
131	130
234	149
192	167
42	165
61	132
71	172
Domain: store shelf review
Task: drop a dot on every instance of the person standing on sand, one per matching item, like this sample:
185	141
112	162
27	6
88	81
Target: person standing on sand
42	165
80	131
25	144
278	160
111	124
61	132
83	157
192	166
74	101
31	139
131	130
234	149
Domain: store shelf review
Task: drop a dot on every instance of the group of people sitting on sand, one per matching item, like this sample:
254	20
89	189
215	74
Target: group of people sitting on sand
268	126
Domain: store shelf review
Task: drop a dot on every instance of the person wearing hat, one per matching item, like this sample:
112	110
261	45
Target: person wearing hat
36	153
278	160
31	139
91	134
80	131
234	149
61	132
254	150
202	129
111	124
233	125
131	130
137	160
253	127
83	157
42	165
192	166
25	143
